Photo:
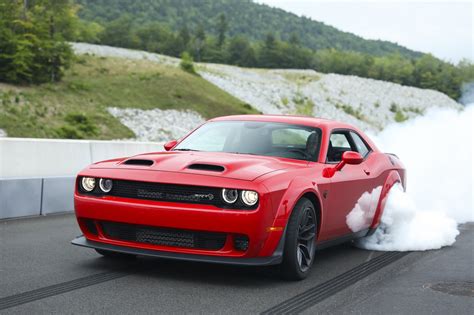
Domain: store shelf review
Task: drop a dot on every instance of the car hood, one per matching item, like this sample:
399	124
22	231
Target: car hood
234	166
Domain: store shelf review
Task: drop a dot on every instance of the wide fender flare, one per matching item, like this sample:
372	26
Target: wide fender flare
297	188
392	179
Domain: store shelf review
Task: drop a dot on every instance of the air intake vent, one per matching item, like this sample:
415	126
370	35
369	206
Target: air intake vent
206	167
138	162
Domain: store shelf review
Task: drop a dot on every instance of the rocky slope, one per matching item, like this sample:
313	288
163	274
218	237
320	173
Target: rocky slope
367	103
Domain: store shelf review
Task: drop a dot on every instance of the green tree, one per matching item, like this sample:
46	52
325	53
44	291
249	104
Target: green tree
119	33
269	55
187	63
294	39
33	47
241	53
155	37
199	42
222	27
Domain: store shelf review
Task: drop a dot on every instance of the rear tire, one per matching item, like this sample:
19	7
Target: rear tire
114	255
300	241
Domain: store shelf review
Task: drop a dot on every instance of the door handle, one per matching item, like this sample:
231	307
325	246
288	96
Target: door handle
367	172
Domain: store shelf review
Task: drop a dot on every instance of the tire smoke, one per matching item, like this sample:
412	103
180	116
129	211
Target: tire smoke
437	150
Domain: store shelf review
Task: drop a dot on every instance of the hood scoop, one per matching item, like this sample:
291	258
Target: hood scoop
138	162
206	167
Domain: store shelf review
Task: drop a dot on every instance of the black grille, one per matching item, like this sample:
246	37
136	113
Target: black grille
165	192
173	193
90	225
168	192
163	236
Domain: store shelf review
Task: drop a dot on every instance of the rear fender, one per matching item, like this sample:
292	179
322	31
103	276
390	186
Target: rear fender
392	178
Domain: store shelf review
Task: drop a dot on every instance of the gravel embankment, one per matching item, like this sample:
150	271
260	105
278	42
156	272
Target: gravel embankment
370	104
156	124
366	103
109	51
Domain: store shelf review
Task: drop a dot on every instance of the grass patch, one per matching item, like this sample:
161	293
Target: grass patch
357	113
303	105
301	79
414	110
400	116
77	106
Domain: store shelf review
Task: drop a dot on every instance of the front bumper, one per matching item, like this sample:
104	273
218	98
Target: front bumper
275	259
257	225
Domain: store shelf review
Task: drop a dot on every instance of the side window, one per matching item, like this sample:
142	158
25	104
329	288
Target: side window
360	144
338	144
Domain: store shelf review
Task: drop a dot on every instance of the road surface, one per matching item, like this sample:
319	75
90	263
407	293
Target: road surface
41	273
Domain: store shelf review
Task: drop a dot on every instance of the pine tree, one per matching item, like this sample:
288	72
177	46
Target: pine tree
199	42
33	47
222	27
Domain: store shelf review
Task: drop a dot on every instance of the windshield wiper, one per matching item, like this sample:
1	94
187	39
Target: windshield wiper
242	153
185	149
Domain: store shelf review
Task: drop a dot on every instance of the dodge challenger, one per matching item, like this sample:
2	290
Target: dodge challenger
246	190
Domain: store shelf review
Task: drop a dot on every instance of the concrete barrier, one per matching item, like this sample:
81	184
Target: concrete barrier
58	195
47	157
37	175
20	197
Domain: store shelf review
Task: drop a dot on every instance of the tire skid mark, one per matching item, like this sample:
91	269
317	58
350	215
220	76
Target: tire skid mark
60	288
313	296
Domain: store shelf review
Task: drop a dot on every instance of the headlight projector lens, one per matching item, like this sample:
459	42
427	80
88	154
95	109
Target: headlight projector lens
105	185
249	197
230	195
88	183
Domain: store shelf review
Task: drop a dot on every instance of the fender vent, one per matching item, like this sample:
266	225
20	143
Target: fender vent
138	162
206	167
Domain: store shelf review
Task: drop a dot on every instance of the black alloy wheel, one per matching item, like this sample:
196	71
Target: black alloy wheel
300	241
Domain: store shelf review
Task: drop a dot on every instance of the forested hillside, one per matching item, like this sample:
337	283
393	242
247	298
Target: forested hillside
244	33
34	36
244	17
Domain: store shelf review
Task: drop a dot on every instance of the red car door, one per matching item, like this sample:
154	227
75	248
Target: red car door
351	193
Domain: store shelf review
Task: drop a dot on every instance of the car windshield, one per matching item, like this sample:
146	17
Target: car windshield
255	137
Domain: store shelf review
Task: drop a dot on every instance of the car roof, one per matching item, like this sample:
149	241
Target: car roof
289	119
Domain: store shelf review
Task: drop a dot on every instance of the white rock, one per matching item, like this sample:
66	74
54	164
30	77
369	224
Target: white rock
156	124
369	104
108	51
3	133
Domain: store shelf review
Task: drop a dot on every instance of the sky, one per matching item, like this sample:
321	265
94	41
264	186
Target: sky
442	28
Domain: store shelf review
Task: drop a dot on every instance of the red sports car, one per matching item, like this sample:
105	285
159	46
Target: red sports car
247	190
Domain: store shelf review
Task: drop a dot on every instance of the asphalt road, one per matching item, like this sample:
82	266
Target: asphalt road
40	272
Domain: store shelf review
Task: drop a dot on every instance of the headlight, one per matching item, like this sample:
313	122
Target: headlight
88	183
249	197
230	195
105	185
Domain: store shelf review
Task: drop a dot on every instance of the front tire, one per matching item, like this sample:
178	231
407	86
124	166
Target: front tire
300	241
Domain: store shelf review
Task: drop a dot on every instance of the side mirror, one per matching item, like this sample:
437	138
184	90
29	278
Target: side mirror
170	144
348	157
352	158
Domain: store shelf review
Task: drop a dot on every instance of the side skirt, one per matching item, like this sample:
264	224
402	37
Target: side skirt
343	239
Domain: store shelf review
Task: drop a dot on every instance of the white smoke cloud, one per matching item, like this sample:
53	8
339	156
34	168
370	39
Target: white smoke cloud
437	150
362	215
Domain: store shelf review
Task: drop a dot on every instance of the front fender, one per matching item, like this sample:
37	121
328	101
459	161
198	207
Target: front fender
297	187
